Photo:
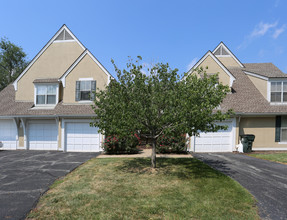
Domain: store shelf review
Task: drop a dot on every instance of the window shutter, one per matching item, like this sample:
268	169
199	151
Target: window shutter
93	89
78	92
278	128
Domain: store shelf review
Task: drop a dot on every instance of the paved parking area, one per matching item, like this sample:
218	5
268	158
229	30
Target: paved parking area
266	180
26	175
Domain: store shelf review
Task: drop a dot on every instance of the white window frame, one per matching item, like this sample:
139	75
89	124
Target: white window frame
45	84
86	79
281	80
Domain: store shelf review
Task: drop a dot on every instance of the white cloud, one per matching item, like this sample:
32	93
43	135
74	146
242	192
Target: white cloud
279	31
276	3
192	63
262	28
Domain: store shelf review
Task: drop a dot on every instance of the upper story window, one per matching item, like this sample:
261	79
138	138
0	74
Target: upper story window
278	92
46	94
85	90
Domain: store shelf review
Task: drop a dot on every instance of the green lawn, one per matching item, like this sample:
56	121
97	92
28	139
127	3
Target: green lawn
125	188
276	157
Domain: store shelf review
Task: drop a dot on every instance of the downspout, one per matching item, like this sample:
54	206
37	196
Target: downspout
25	135
57	124
17	134
238	129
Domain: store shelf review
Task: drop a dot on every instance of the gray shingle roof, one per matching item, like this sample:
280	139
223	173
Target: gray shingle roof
264	69
246	98
10	107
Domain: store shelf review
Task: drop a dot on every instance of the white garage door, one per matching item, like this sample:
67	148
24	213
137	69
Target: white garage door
81	137
43	136
220	141
8	134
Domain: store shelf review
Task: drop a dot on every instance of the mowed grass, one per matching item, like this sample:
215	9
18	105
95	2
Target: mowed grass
127	188
276	157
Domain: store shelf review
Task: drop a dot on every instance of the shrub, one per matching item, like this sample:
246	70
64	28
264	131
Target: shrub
171	144
113	144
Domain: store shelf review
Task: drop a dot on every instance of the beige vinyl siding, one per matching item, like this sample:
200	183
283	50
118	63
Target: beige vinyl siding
86	68
260	84
213	67
53	63
228	61
264	130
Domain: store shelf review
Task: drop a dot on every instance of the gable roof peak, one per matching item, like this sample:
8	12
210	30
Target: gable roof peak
210	54
54	38
222	50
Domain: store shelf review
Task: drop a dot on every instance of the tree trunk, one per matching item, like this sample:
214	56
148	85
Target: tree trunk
153	154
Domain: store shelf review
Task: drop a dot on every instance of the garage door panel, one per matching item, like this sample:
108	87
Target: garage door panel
79	136
220	141
43	136
8	134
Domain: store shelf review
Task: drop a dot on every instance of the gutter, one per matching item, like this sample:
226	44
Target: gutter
260	114
44	116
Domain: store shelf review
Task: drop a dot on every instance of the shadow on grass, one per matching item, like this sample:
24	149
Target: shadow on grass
216	163
182	168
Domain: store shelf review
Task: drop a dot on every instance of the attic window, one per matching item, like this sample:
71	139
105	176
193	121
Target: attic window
221	52
64	35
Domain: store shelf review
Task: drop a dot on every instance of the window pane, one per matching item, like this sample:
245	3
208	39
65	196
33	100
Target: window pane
284	96
285	87
85	85
275	96
273	87
52	90
85	95
284	122
41	90
278	86
51	99
89	85
40	99
284	134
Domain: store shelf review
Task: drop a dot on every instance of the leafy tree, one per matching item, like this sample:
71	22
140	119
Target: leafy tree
12	62
159	102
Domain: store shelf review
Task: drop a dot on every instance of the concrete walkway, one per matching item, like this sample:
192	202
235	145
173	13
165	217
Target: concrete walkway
146	153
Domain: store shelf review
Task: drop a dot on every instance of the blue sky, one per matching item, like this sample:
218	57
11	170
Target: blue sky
177	32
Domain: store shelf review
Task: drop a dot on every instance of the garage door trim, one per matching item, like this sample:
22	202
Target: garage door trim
64	128
27	128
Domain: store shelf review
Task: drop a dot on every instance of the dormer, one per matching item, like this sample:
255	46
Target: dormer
269	80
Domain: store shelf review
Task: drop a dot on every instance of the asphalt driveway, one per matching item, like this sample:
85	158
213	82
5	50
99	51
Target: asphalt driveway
26	175
266	180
